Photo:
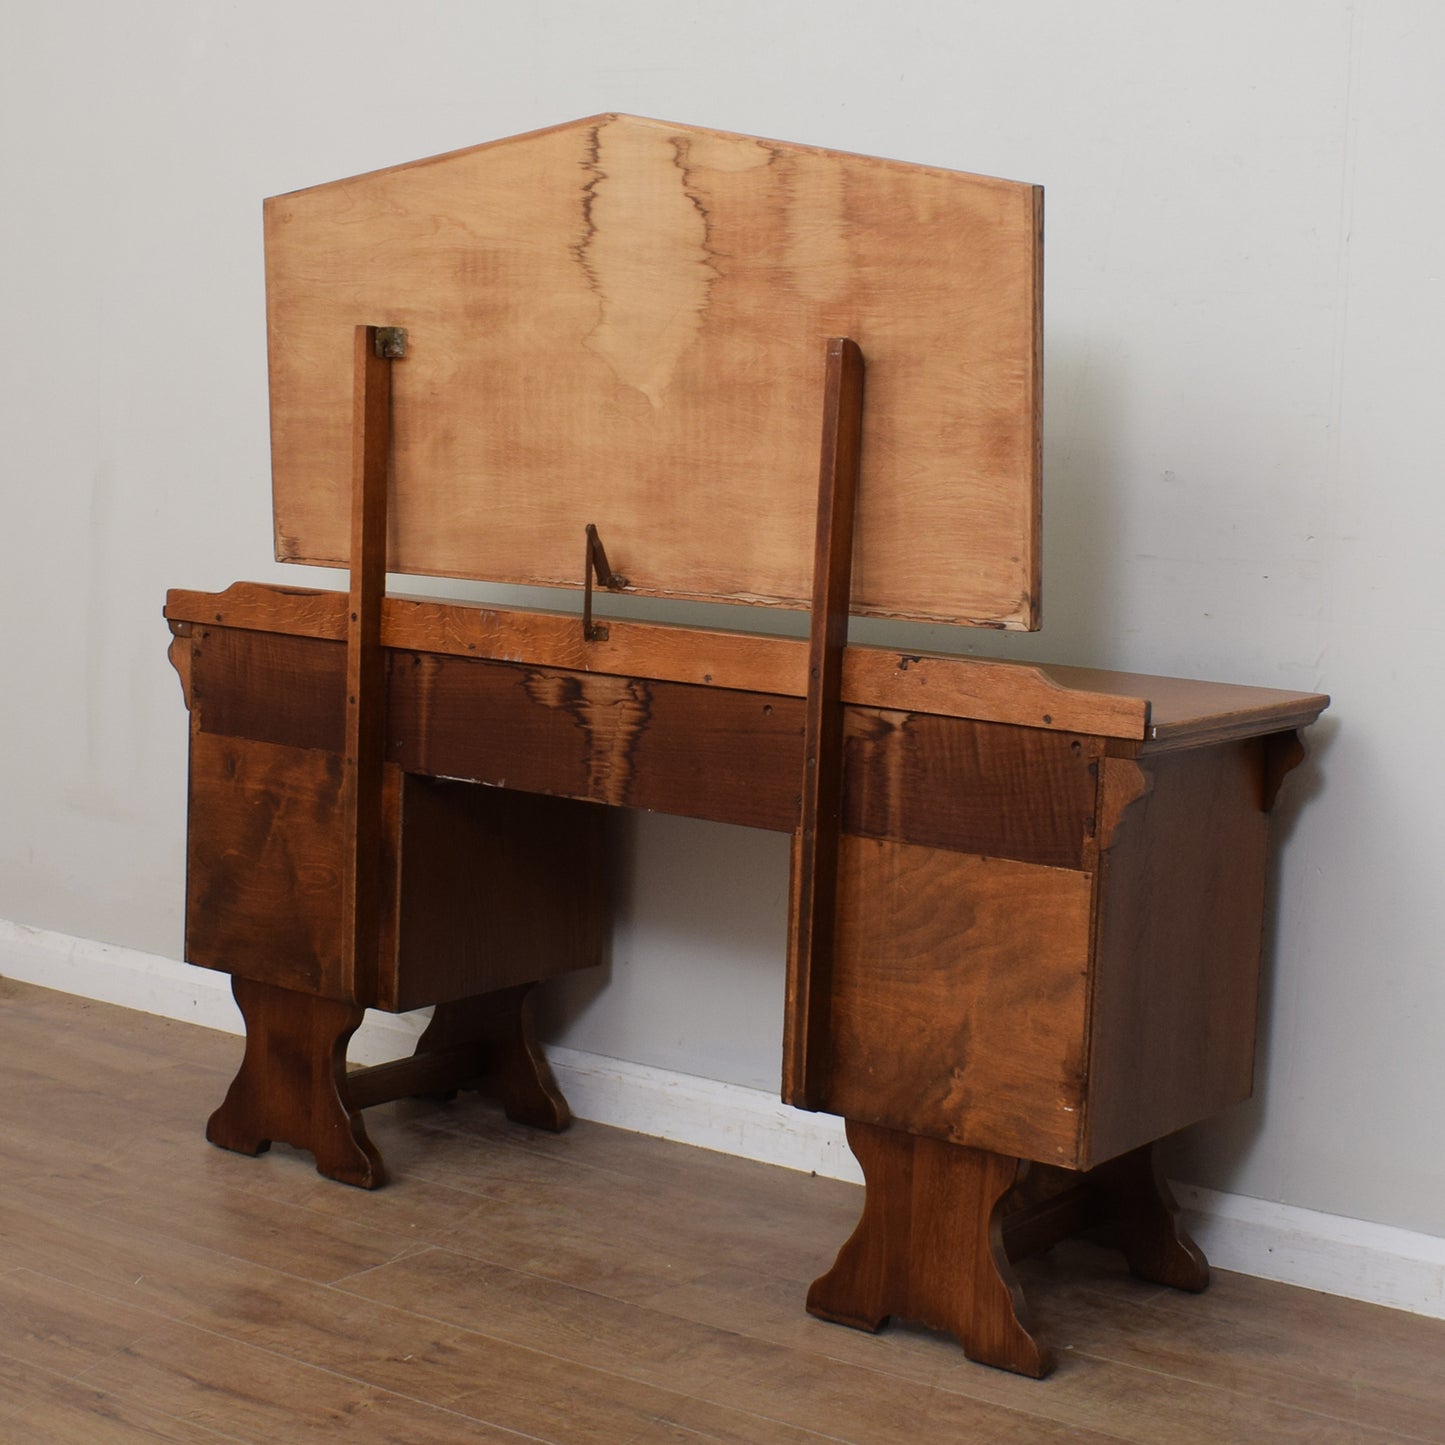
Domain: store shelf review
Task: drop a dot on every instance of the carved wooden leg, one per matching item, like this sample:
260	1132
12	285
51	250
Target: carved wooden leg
1136	1199
929	1248
509	1063
291	1081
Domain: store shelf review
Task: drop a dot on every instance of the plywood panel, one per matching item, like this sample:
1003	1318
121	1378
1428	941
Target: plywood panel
623	322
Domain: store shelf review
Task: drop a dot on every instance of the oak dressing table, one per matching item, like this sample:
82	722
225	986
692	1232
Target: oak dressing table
1026	904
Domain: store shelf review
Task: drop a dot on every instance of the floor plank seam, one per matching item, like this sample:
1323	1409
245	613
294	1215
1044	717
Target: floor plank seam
62	1377
187	1321
1285	1371
980	1401
1225	1391
573	1364
385	1391
124	1231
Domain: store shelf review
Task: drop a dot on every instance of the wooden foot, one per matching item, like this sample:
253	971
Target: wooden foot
291	1083
483	1043
929	1248
508	1063
1135	1198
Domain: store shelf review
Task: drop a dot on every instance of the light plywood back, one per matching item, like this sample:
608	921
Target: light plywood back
624	322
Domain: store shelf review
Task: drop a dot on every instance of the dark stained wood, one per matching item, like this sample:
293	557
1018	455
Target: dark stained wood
484	1044
975	787
733	757
718	753
814	884
1155	712
1050	1204
730	756
1126	1200
365	695
480	892
962	987
438	1073
1283	753
922	1253
929	1247
514	1067
1025	793
291	1084
498	888
512	726
1136	1198
269	687
960	998
264	863
1024	694
1176	972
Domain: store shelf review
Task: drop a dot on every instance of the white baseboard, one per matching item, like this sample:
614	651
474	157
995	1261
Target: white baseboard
1328	1252
750	1123
1349	1257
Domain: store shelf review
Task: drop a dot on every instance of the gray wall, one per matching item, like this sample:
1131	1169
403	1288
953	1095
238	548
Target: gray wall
1243	389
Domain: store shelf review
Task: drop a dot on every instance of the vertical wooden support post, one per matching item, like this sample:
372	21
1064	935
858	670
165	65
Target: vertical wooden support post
815	844
365	666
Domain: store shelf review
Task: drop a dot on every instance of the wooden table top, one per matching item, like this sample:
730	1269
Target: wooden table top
1155	712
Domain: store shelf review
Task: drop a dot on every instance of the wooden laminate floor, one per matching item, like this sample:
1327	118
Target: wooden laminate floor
592	1287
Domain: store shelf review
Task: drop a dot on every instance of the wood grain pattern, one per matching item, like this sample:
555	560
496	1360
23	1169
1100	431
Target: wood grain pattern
498	888
1022	793
592	1285
618	320
291	1086
942	1225
1158	712
1177	954
959	1003
974	787
264	863
365	695
178	654
813	891
268	686
929	1248
988	690
494	888
475	892
981	688
731	756
1186	712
